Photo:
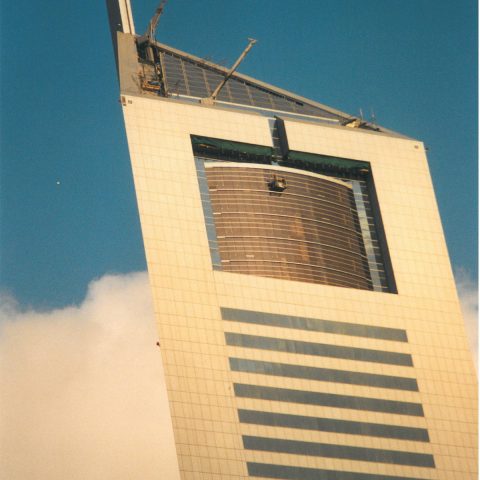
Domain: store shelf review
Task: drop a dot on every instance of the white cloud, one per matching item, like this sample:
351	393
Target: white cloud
468	294
82	389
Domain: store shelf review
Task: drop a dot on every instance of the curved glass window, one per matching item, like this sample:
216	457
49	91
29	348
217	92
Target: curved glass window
275	222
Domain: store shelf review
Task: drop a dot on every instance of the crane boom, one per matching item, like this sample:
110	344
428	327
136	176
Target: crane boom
149	35
213	96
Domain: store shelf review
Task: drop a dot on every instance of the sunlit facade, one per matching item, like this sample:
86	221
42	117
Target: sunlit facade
306	309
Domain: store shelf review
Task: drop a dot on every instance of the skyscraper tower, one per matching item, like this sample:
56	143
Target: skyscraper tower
306	308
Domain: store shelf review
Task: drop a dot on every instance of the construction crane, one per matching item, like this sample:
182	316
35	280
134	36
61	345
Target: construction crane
148	50
211	99
149	35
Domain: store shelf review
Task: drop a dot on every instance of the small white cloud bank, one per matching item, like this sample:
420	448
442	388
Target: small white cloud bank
82	389
468	295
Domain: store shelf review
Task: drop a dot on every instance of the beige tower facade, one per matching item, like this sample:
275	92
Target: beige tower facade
306	309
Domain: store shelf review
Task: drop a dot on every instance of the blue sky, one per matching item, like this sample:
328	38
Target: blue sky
68	212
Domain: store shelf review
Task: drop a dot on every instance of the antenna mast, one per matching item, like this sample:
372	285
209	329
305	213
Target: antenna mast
211	99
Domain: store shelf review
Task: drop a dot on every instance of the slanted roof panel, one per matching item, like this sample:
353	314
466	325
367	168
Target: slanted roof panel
186	75
191	76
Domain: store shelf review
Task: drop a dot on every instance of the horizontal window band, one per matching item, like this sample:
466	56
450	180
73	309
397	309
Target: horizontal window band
285	472
332	425
328	399
255	235
315	239
257	193
236	247
328	450
288	254
323	374
313	324
348	267
300	275
318	349
269	265
265	216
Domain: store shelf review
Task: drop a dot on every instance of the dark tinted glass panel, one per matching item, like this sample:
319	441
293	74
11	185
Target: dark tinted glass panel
320	349
308	231
323	374
196	81
338	451
328	399
332	425
208	213
187	76
368	225
240	93
285	472
176	79
313	324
